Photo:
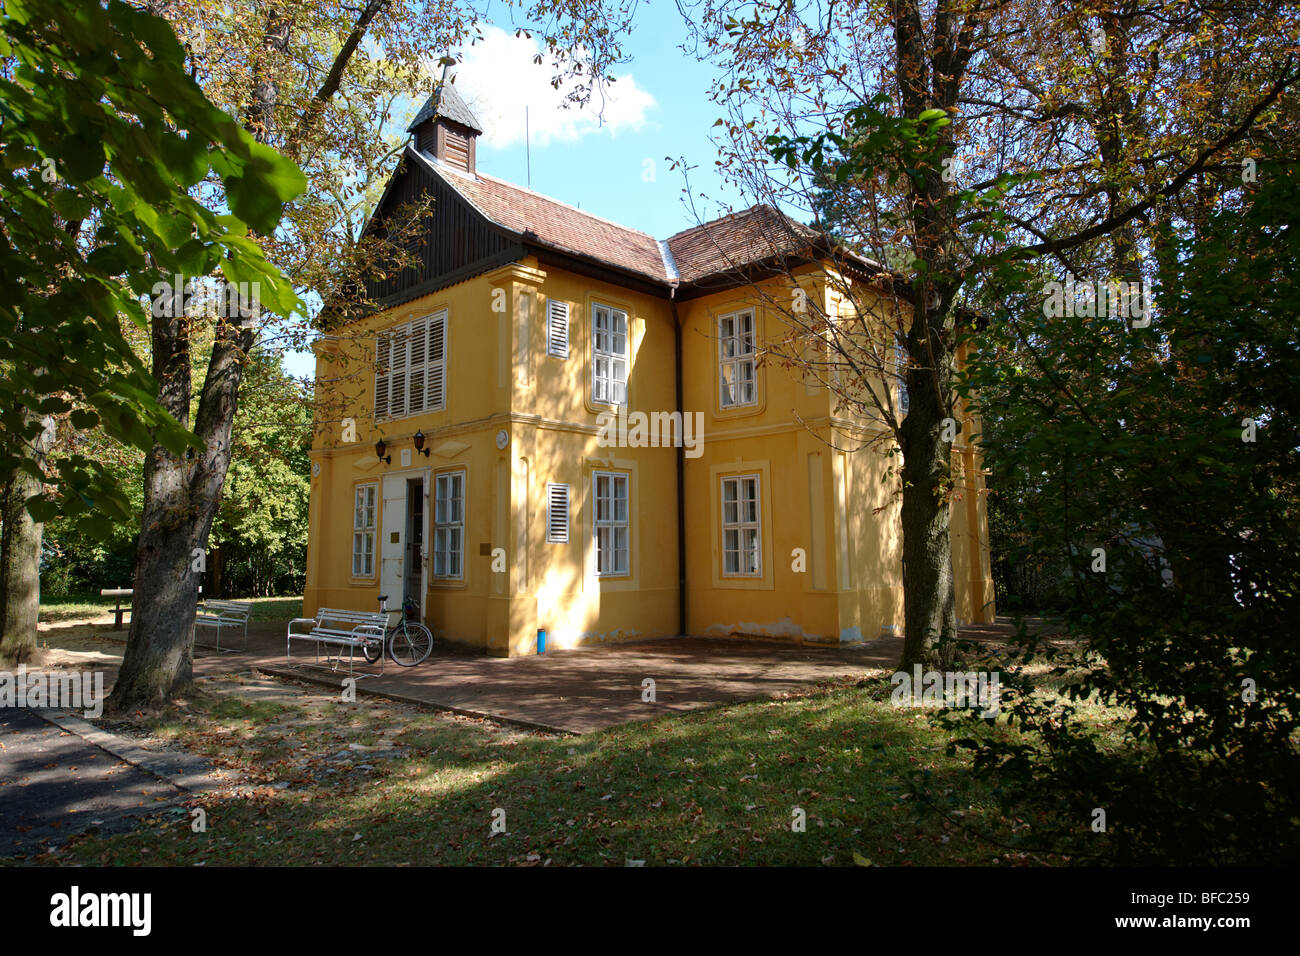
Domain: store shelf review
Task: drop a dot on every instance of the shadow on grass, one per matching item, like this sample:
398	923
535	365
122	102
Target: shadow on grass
722	787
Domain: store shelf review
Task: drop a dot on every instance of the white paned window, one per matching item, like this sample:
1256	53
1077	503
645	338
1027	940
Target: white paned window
557	512
741	531
411	368
611	522
363	530
557	328
737	360
449	525
609	355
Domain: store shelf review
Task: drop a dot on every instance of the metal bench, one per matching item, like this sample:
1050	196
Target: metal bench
219	615
332	626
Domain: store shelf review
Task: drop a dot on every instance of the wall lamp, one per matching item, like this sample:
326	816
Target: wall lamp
380	447
419	445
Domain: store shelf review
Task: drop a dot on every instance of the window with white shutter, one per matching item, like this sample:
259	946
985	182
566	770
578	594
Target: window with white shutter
411	367
557	512
557	328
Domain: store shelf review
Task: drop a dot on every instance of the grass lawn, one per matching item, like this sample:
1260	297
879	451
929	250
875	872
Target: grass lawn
385	783
94	607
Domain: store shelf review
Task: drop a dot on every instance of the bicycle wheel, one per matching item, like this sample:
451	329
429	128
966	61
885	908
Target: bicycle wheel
409	643
373	649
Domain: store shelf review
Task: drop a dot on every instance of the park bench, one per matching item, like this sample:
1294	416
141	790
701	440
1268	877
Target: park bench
339	628
118	611
219	615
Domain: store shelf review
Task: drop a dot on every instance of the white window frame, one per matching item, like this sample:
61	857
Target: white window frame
740	524
407	353
365	510
733	357
607	386
553	534
605	517
557	328
449	521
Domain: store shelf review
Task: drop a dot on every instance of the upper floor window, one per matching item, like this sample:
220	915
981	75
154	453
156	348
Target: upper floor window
609	355
411	367
611	522
737	360
363	530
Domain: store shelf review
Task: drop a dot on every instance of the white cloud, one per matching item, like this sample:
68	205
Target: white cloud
498	78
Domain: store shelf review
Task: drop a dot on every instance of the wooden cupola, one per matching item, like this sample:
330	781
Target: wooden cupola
445	129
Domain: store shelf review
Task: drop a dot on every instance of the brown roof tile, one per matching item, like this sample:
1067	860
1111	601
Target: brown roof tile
737	240
557	224
714	248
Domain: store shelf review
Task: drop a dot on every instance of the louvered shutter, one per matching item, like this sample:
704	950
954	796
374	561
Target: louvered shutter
415	373
557	512
382	360
557	328
397	371
435	382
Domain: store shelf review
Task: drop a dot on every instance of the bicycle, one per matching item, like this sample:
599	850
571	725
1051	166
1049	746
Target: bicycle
408	642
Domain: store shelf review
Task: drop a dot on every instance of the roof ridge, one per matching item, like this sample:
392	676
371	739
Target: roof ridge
731	215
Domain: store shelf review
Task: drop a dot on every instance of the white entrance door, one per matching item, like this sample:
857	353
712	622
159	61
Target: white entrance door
396	516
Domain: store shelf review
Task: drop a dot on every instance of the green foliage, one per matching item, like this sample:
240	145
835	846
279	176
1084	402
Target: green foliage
1138	441
104	138
261	527
259	536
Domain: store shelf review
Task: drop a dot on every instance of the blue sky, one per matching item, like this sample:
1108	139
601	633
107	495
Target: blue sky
659	108
608	160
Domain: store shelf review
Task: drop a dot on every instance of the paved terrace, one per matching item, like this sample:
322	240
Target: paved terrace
581	690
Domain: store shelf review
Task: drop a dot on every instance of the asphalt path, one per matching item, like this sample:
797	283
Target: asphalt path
54	784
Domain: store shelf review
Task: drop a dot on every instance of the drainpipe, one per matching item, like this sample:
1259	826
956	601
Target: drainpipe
681	471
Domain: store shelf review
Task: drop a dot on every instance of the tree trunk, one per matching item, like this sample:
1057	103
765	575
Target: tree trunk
930	625
181	500
20	555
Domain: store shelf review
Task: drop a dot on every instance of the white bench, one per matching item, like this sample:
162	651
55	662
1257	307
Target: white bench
219	615
350	629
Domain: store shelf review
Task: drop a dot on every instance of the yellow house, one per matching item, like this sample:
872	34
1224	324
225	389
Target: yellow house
555	422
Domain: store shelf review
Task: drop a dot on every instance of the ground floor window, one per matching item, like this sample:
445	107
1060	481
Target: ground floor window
363	530
611	522
741	531
449	525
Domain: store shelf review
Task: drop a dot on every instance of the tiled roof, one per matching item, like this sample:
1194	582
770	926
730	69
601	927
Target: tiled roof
556	224
737	240
714	248
452	107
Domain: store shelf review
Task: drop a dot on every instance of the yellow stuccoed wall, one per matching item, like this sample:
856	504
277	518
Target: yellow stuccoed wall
499	378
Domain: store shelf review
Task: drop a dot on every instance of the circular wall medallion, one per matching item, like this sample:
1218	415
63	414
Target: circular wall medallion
503	438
